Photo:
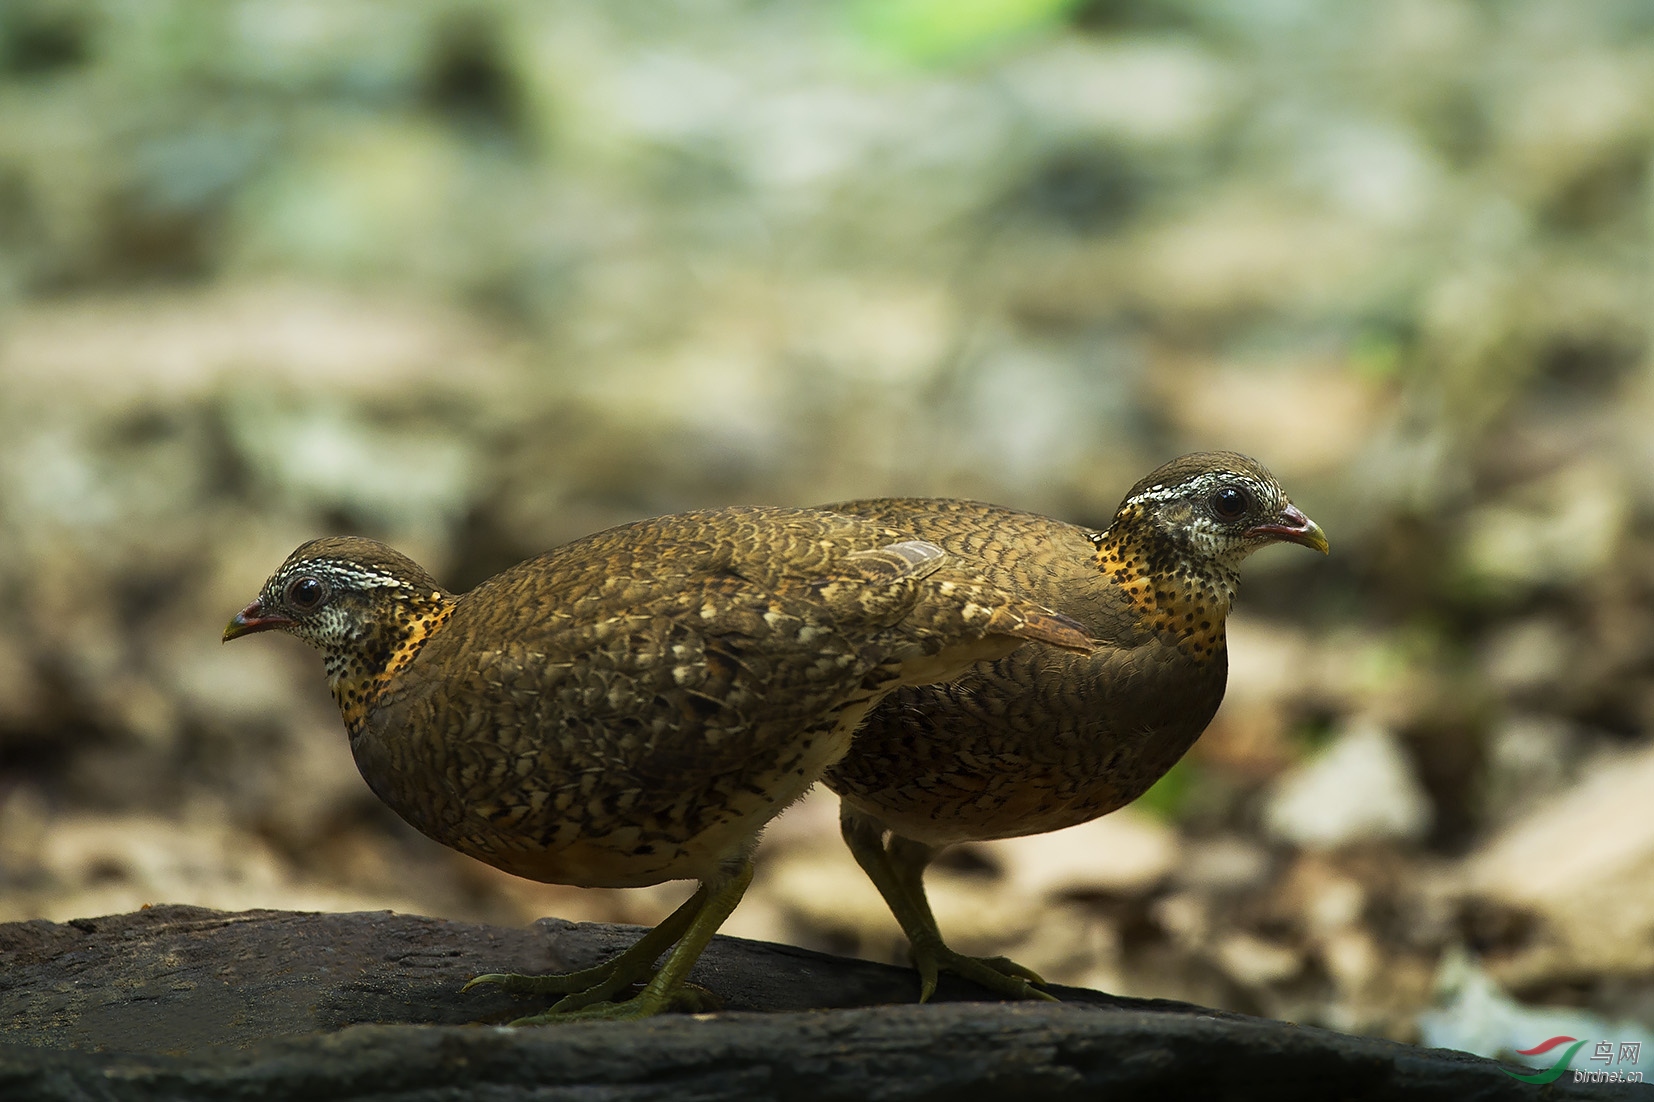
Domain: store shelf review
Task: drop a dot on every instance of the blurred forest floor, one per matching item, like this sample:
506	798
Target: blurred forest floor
479	276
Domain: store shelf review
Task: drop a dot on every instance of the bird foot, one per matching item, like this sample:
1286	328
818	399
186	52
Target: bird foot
588	987
593	1006
1004	977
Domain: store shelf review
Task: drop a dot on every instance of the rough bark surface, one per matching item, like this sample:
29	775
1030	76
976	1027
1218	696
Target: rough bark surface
186	1003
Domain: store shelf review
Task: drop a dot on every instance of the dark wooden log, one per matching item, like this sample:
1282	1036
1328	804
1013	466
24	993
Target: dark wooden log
185	1003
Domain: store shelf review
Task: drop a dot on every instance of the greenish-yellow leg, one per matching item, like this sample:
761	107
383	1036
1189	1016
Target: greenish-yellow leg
667	988
898	871
602	980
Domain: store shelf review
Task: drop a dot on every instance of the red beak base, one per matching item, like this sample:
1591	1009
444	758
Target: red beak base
252	619
1294	527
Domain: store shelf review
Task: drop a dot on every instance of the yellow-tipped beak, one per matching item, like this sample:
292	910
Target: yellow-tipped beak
250	620
1294	527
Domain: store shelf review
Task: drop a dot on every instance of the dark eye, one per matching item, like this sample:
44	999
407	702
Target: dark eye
1229	503
305	593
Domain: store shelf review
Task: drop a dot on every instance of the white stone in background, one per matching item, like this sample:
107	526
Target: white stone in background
410	473
1222	864
1473	1014
976	914
155	349
98	864
1376	172
1122	853
1584	860
1353	667
825	890
1254	962
676	95
1570	111
1267	659
1361	789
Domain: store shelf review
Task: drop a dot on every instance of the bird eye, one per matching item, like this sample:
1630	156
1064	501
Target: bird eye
305	593
1229	503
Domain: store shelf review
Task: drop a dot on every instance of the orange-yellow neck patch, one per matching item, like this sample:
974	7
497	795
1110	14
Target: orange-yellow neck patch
359	677
1185	604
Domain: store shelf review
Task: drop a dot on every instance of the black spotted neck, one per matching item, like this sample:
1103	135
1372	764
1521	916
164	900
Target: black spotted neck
360	668
1179	595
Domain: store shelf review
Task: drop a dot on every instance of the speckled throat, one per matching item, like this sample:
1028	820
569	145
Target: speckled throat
359	670
1183	600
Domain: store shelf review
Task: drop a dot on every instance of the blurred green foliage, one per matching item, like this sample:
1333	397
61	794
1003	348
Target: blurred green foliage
1167	797
952	30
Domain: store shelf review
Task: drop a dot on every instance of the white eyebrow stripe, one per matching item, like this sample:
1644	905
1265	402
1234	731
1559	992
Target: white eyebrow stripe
1199	484
353	574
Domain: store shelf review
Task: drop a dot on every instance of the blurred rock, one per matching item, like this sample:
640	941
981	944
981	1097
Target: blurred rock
1254	962
414	476
977	914
1585	861
1561	530
1223	864
1267	659
91	865
1473	1015
324	342
1250	251
241	687
1528	757
829	892
1528	656
1150	91
1122	853
1361	788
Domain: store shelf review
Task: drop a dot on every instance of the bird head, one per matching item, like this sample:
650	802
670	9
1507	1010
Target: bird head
365	606
1214	508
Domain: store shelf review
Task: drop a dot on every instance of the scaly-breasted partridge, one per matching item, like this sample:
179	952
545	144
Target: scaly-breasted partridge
634	706
1043	739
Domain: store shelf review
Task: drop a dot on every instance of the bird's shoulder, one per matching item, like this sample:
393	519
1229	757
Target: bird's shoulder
1041	558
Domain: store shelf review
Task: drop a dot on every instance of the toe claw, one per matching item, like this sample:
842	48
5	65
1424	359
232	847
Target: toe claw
1003	977
928	975
556	983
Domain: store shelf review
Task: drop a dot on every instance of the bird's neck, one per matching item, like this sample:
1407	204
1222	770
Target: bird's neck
360	669
1180	597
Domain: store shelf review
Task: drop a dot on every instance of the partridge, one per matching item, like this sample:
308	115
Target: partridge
1042	739
634	706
